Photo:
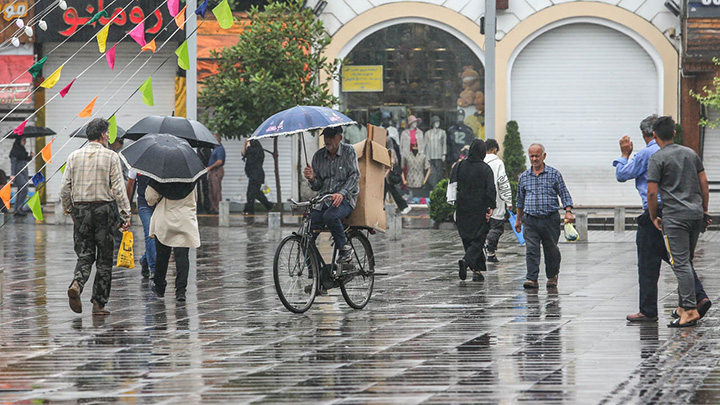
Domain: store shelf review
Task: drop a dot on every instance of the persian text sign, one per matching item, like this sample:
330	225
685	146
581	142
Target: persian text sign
362	78
13	10
12	66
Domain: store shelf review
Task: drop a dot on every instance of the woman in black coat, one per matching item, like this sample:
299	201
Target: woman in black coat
254	156
474	204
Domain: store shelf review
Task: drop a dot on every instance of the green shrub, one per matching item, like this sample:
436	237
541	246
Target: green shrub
513	156
440	210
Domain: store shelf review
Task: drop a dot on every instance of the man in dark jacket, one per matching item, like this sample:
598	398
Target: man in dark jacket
474	205
254	156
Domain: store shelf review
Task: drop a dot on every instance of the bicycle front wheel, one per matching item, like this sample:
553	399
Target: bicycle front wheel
358	287
295	274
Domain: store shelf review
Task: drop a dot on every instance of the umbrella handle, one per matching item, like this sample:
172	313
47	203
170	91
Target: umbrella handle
302	136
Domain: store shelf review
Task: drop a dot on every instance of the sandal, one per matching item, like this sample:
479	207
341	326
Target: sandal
676	324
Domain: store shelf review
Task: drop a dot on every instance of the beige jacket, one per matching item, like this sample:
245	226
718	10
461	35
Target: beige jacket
174	222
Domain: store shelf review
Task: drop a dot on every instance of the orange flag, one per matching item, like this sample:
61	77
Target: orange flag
87	111
150	46
5	195
180	18
47	151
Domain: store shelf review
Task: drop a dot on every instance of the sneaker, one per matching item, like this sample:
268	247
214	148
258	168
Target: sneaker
477	276
180	296
74	297
145	271
406	210
463	269
531	284
345	254
492	258
157	291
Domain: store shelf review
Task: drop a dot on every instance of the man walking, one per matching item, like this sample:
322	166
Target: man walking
216	172
503	198
92	183
678	173
537	198
651	249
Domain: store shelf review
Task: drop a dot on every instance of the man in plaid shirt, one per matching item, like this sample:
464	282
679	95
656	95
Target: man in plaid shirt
537	200
91	184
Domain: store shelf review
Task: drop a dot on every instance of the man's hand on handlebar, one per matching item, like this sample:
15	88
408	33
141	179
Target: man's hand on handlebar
337	199
308	173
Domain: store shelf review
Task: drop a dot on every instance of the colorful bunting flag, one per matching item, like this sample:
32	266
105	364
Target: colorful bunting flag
102	38
46	151
87	111
65	89
36	68
223	15
183	56
34	204
112	129
97	16
5	195
147	93
110	57
201	10
20	129
62	168
51	81
173	6
38	179
180	18
138	34
150	46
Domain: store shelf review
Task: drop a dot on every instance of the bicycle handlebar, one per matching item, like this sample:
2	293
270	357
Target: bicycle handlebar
315	200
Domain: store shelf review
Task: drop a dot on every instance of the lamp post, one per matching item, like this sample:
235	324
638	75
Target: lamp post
490	29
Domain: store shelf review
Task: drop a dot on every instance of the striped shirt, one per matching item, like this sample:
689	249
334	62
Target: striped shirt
340	174
435	144
94	174
537	195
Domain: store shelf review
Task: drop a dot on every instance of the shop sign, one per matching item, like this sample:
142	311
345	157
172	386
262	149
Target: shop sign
12	66
704	9
68	23
362	78
13	10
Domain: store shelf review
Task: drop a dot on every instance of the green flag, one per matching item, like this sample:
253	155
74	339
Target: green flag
62	168
36	68
146	90
98	16
112	129
223	15
183	56
34	204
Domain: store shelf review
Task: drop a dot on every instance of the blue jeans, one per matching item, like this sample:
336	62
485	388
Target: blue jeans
332	218
149	256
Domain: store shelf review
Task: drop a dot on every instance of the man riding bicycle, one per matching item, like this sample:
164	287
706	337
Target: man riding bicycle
334	171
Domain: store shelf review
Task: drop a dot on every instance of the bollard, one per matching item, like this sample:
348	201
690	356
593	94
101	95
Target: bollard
224	213
581	226
619	221
393	226
274	225
60	218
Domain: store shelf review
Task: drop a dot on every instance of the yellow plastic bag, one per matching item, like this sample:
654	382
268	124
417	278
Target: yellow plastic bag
571	234
125	254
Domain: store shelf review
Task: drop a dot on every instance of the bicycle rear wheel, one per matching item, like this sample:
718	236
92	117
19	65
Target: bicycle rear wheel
295	274
358	286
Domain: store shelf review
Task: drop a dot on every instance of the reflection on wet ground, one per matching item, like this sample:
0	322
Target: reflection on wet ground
425	337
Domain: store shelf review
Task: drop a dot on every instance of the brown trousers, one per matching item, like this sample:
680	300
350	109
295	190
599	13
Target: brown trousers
215	177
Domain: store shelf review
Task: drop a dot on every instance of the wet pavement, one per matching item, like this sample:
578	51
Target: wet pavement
425	336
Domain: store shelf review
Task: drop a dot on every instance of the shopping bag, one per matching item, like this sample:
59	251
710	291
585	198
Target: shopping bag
571	235
125	254
518	235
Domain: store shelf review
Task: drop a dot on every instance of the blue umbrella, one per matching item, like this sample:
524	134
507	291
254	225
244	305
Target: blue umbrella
300	119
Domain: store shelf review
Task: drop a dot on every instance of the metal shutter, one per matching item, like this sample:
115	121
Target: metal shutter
711	161
577	89
61	111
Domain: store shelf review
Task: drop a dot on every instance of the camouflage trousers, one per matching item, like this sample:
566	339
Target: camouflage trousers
94	233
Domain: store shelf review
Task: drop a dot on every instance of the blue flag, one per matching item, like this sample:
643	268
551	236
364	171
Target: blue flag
38	178
202	9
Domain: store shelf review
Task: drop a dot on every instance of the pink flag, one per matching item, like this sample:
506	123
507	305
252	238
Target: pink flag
173	7
110	56
65	90
20	129
138	34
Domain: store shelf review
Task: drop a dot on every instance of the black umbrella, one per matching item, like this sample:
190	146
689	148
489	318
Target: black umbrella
34	132
164	158
81	132
193	131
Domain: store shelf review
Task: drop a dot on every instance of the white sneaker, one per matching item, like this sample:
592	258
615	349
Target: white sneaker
406	210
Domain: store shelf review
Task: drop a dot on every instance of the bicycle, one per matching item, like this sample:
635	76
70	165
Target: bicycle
297	261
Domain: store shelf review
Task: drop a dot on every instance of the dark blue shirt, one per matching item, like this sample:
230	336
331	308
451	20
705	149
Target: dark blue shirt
537	195
217	154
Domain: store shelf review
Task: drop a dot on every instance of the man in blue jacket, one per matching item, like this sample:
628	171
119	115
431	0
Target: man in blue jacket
651	249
